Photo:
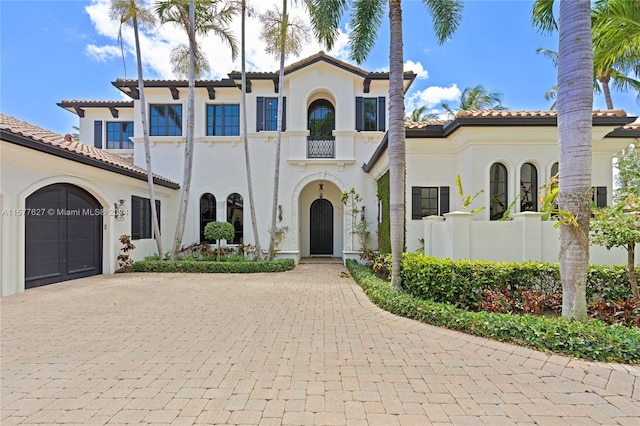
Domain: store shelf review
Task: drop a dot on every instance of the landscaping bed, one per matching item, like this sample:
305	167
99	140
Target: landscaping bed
205	266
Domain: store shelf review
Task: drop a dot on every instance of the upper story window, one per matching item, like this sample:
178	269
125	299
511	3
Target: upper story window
322	119
118	134
165	120
223	120
370	114
267	114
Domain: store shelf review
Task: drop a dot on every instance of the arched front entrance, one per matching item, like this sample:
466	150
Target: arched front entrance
321	227
63	235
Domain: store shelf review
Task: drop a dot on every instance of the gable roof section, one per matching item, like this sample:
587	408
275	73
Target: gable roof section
494	118
27	135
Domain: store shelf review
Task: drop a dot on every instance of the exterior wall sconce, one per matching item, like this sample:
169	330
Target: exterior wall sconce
320	189
118	210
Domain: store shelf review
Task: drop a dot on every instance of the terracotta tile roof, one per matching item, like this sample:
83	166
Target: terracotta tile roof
321	55
413	125
66	143
498	113
632	126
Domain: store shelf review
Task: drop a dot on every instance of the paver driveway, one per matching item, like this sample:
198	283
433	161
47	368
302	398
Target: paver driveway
301	347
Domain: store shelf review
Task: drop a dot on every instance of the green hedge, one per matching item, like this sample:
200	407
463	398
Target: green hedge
198	266
384	226
462	281
591	340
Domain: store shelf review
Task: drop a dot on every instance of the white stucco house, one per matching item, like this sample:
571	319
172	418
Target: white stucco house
335	122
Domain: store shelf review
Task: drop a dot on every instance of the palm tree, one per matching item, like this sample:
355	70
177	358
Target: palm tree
575	115
183	13
133	12
476	98
284	36
419	114
366	19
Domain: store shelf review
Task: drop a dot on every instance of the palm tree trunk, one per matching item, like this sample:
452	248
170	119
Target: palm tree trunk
575	115
188	148
147	146
276	179
252	208
606	90
397	160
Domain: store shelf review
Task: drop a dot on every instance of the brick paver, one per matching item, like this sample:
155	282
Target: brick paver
305	347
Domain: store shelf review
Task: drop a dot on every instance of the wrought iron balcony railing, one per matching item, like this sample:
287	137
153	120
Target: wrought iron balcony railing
321	147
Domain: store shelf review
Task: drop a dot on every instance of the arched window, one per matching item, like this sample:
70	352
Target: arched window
235	216
528	188
207	213
498	186
322	119
554	169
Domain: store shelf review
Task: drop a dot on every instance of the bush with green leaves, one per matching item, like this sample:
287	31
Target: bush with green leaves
199	266
462	282
592	340
217	231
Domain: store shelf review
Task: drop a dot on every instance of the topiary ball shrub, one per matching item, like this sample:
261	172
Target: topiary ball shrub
219	231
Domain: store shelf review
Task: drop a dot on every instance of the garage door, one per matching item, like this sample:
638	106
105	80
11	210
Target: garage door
63	235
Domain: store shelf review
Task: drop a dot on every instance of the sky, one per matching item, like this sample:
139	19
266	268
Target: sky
54	50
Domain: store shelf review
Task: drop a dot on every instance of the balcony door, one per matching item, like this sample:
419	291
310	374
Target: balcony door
321	123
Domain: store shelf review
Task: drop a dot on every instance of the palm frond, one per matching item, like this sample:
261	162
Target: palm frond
542	16
366	19
325	19
446	15
296	35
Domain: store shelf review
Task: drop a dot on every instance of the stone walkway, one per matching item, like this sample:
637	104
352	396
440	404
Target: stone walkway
305	347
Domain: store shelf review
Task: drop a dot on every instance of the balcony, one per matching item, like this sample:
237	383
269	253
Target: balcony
321	147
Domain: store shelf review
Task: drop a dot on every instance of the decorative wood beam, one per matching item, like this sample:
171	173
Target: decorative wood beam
79	111
366	85
275	84
174	92
114	111
134	93
212	92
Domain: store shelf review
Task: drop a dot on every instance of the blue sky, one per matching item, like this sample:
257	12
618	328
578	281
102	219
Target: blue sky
53	50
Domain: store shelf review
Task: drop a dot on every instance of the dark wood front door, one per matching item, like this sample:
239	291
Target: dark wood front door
321	238
63	235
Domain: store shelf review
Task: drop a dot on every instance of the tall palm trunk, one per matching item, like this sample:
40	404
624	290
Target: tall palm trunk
147	145
604	81
397	160
188	148
575	115
276	178
252	208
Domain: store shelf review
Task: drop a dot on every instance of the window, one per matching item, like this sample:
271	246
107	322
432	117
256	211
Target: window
528	188
322	119
165	120
554	169
235	216
370	114
599	196
267	114
223	120
141	226
429	201
497	191
118	134
207	213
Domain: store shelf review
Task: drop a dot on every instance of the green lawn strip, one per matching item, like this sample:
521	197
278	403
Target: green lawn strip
199	266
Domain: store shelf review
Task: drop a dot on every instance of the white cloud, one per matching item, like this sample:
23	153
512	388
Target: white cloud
417	68
156	44
103	53
432	97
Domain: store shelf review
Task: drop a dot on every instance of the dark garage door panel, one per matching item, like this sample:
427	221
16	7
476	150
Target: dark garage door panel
66	244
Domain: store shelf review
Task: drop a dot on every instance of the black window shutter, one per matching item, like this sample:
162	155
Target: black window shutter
601	196
359	113
381	114
284	113
416	202
444	200
259	113
97	134
135	217
158	215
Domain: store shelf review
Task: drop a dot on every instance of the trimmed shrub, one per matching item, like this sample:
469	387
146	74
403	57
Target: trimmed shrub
592	340
193	266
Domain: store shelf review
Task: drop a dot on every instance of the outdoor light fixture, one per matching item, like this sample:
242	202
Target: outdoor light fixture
320	189
118	210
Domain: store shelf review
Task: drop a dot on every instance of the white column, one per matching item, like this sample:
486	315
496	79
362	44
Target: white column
531	237
459	231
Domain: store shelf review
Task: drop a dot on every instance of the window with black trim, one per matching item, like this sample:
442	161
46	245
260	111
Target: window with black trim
528	188
370	114
498	186
267	114
235	216
118	134
429	201
223	120
207	213
141	227
165	120
599	196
